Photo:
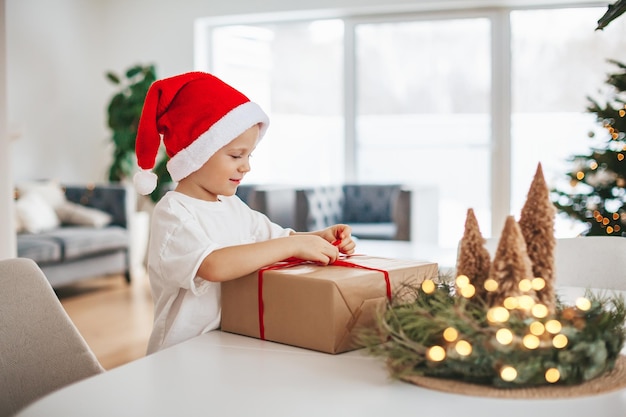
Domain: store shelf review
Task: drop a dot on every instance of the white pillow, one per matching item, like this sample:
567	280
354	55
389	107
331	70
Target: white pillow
51	191
72	213
35	214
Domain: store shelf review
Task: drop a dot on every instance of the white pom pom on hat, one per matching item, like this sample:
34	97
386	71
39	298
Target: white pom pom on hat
145	182
195	114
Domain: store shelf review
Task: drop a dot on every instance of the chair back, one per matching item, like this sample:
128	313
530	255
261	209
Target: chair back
40	348
318	207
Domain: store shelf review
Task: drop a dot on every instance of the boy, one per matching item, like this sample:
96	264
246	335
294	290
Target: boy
201	233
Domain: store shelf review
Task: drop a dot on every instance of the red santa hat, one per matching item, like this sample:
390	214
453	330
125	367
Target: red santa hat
195	114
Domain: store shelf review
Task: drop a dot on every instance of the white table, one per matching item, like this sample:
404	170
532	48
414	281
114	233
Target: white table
221	374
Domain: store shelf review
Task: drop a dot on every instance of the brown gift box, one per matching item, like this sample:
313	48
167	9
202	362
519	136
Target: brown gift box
313	306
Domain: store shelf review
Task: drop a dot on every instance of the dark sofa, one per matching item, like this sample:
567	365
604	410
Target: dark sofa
374	211
70	252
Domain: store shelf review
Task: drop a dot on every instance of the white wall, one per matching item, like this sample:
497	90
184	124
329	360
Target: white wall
56	89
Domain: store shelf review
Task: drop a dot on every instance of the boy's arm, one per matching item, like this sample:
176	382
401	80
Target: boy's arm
236	261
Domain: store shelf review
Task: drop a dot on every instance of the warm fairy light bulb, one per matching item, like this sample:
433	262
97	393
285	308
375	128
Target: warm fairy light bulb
450	334
510	303
525	285
462	281
428	286
463	348
609	230
593	165
508	373
553	326
504	336
497	314
468	291
537	328
552	375
580	175
583	304
491	284
621	112
530	341
620	157
538	283
559	341
539	310
525	302
436	353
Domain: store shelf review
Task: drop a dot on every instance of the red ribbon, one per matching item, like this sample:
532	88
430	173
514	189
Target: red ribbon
280	265
340	262
288	263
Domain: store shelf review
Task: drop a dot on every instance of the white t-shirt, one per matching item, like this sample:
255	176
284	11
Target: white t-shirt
183	232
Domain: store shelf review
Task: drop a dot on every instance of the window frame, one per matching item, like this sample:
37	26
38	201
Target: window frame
501	88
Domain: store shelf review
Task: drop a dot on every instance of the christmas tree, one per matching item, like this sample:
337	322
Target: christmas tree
597	191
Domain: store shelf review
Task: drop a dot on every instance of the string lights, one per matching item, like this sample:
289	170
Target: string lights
540	331
445	334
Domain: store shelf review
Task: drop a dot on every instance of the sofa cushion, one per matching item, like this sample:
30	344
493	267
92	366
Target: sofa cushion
50	190
78	242
40	249
76	214
369	203
35	214
324	206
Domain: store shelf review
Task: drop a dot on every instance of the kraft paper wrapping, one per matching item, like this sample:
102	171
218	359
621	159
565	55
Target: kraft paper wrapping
316	307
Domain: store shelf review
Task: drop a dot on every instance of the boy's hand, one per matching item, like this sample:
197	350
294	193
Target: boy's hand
312	247
340	236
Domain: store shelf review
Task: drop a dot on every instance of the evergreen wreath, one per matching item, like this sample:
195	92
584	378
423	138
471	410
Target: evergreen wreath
443	334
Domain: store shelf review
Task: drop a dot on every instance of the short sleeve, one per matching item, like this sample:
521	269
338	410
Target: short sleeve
183	245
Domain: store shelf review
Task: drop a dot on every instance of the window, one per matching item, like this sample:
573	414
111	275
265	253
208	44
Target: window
423	112
294	71
554	68
433	99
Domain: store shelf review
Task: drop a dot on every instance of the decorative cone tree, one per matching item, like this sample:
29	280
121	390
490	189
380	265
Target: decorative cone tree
474	260
537	225
597	191
510	264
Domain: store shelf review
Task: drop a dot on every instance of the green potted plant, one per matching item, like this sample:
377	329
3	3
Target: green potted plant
124	112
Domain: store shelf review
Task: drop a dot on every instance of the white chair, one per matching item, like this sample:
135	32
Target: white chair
40	348
587	262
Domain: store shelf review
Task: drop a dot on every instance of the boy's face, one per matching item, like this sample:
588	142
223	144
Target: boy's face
223	172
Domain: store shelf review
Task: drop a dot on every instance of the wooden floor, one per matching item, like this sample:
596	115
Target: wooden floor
114	317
